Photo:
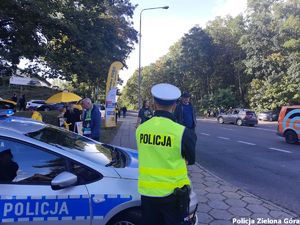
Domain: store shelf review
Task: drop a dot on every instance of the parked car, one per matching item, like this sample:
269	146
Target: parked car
268	116
239	117
289	123
60	177
34	104
50	107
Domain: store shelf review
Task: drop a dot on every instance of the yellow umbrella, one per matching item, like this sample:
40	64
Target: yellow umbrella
63	97
8	104
8	101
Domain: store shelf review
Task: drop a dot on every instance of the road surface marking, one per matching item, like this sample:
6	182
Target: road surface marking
246	143
280	150
226	128
205	134
224	138
271	130
259	128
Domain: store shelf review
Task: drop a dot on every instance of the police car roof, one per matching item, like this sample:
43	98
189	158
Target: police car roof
20	124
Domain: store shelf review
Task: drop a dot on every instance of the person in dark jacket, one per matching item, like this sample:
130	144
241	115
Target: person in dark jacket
72	116
14	98
124	111
8	167
145	113
185	113
22	103
91	120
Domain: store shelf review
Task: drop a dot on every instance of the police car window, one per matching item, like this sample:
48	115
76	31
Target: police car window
85	175
72	141
24	164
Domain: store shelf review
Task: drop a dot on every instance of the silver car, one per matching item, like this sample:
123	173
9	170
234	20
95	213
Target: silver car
268	116
35	104
239	117
49	175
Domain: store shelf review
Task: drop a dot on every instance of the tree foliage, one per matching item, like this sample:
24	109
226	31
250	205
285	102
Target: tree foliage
66	39
248	61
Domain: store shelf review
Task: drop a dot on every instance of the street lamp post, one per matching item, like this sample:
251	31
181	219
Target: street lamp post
140	50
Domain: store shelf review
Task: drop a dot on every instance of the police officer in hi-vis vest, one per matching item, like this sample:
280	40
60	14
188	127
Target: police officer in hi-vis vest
164	149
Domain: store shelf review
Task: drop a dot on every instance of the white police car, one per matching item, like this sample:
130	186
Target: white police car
51	176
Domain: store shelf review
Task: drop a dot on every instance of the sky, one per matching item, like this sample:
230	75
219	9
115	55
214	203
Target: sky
161	28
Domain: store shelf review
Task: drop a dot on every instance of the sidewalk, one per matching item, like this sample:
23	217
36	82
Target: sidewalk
220	203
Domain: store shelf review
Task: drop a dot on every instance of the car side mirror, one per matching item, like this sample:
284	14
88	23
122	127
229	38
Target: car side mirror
63	180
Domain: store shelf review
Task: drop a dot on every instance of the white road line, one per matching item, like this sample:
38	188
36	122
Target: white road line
205	134
246	143
226	128
280	150
259	128
224	138
265	129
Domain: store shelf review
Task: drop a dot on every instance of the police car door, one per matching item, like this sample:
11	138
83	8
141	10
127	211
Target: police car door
26	195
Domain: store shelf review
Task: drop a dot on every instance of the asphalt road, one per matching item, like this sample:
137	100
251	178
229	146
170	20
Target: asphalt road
252	158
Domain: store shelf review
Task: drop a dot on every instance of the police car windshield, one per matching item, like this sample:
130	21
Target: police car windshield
72	141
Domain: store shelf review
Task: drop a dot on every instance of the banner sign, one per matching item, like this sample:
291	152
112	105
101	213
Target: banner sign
110	106
111	93
113	75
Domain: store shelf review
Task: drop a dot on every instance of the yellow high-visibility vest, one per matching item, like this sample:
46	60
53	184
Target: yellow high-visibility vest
37	116
161	166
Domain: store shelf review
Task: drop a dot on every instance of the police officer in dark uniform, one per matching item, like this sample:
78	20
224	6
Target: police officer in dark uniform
164	149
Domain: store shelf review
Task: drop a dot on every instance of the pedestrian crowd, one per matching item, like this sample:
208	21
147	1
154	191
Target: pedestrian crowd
184	112
84	118
21	101
71	115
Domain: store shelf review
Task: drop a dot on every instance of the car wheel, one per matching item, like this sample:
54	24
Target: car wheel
131	217
291	137
239	122
220	120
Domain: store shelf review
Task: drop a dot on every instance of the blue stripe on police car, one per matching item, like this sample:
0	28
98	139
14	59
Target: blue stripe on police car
29	208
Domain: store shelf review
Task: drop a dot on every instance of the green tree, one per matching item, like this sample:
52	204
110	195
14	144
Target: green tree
247	61
67	38
273	34
228	67
196	62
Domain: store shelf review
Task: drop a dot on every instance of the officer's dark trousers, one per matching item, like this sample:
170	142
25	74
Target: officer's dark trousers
160	211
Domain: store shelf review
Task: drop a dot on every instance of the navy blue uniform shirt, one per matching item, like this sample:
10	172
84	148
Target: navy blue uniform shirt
188	142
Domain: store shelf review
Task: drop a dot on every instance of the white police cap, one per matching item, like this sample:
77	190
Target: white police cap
165	94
